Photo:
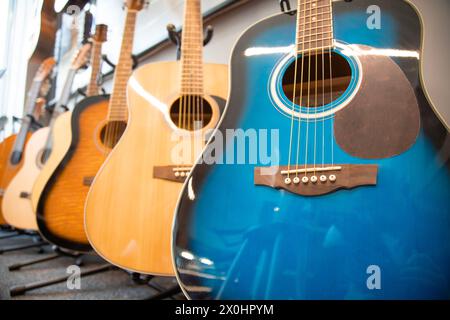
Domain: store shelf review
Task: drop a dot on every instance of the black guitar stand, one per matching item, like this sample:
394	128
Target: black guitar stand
285	7
163	293
58	253
112	65
38	242
11	234
22	289
176	37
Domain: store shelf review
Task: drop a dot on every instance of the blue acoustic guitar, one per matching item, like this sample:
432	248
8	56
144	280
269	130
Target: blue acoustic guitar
354	202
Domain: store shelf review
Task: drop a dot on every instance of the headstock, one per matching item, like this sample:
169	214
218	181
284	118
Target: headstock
45	69
101	33
82	57
136	5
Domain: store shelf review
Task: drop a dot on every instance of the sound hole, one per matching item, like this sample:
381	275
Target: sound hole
191	112
315	88
112	132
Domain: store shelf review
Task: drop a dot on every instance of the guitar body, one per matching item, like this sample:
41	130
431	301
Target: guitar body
238	239
61	190
16	206
128	212
62	137
7	170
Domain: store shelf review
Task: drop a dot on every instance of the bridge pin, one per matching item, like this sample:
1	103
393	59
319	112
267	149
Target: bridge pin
183	174
177	174
296	180
332	178
313	179
287	181
305	180
323	178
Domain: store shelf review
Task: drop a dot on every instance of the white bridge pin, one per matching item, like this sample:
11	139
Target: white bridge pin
287	181
314	179
323	178
183	174
305	180
332	178
177	174
296	180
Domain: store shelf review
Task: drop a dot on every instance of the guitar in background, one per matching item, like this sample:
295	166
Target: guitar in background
16	207
78	153
358	185
129	208
12	148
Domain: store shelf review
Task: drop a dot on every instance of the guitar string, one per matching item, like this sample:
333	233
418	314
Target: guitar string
294	94
301	99
331	89
323	104
309	92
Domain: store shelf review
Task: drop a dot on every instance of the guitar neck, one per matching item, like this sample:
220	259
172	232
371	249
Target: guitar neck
118	110
33	94
60	106
93	88
65	95
192	50
314	25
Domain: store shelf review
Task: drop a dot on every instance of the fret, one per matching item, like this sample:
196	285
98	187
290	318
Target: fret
314	25
328	34
118	101
192	49
329	25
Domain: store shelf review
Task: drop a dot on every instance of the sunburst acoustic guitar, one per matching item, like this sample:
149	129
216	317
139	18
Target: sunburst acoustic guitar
129	208
67	177
16	206
11	149
358	185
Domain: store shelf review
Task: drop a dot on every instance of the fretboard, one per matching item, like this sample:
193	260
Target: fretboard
192	49
96	59
118	110
314	25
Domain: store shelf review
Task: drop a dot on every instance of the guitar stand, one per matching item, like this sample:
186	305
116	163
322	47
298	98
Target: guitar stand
285	6
22	289
39	243
141	279
164	294
18	266
176	37
58	253
112	65
9	236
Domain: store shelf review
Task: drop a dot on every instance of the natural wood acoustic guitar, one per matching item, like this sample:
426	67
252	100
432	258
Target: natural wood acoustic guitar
11	149
129	209
16	206
84	137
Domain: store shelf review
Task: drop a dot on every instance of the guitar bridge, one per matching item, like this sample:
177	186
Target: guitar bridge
318	180
88	181
25	195
172	173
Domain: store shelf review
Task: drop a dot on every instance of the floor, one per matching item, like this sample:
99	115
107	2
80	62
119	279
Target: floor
112	284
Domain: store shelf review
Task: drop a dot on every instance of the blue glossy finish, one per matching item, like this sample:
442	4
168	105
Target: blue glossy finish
241	241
